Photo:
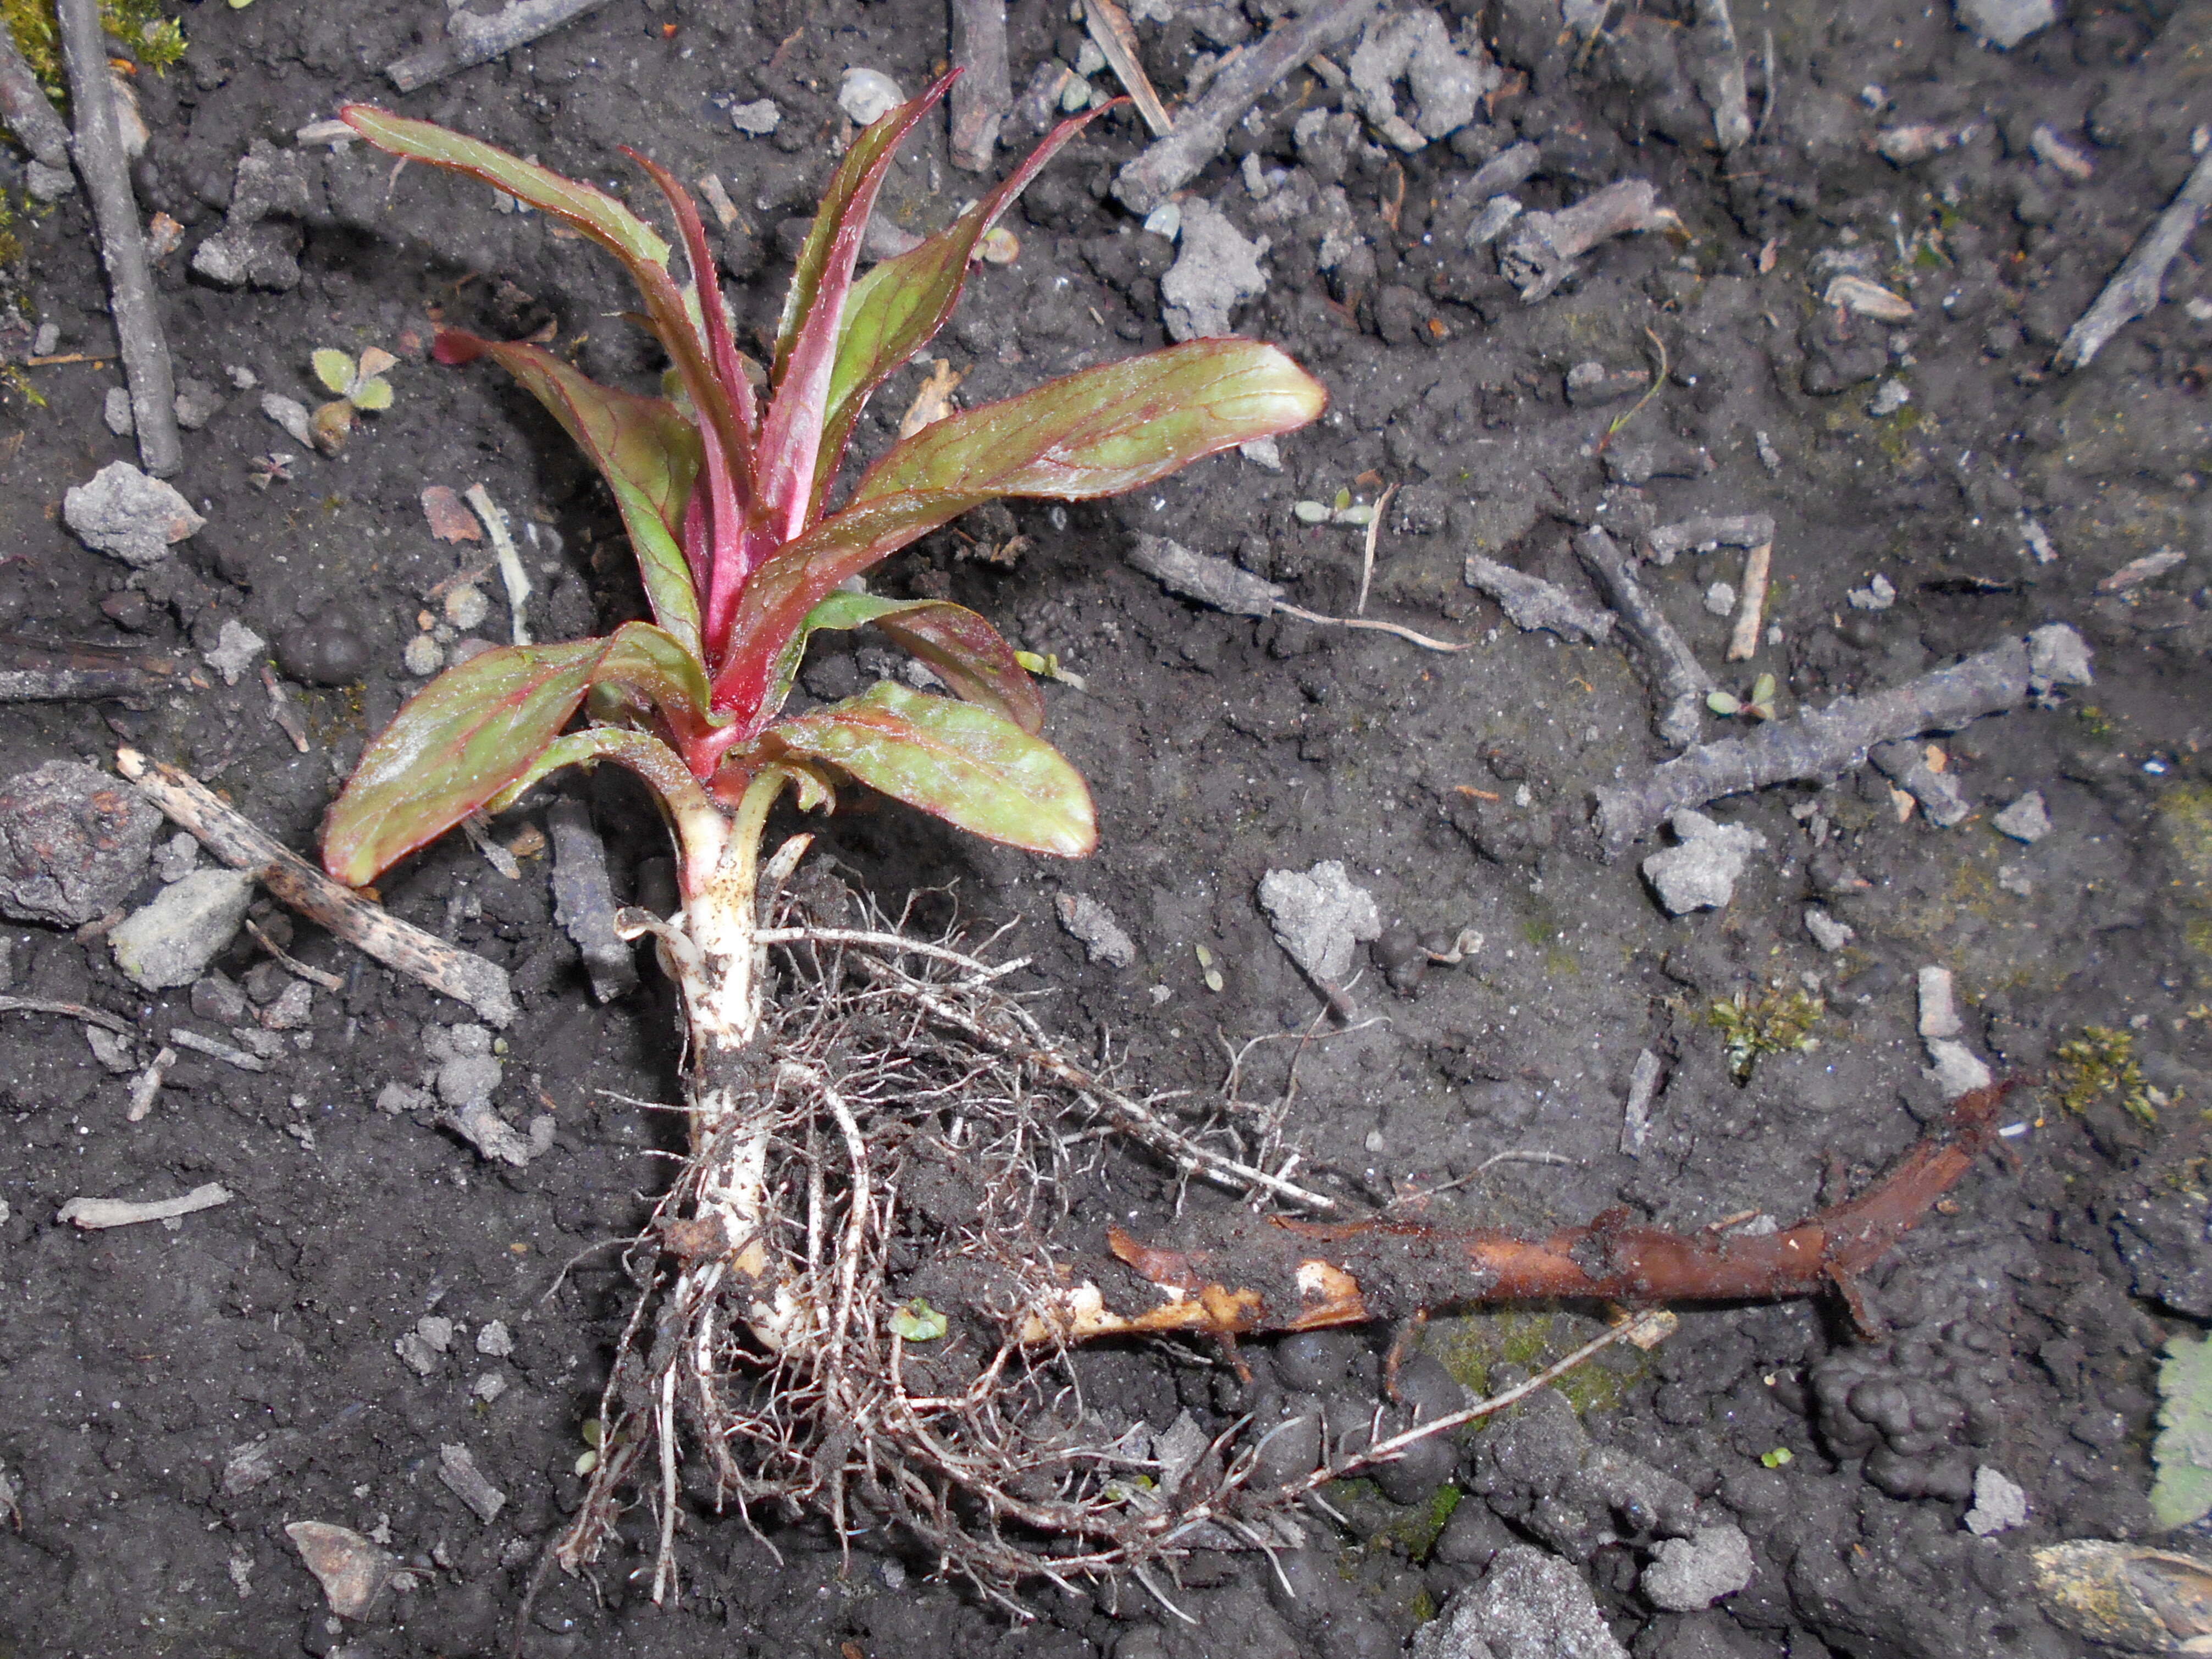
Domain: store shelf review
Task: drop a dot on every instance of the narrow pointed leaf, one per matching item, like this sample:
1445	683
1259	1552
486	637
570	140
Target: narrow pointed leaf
458	741
965	651
648	452
1107	429
705	298
956	762
806	342
584	208
897	307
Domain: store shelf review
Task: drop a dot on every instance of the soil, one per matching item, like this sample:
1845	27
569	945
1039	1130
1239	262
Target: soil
2020	1326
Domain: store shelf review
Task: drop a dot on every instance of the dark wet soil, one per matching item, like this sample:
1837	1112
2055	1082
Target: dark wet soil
2022	1323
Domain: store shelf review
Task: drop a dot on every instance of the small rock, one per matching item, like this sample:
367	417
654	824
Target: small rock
110	1048
115	410
2005	23
1216	269
756	119
1939	1017
1700	872
176	857
1906	765
1889	397
74	842
292	414
198	403
236	649
496	1139
1879	595
2026	820
2135	571
466	606
293	1009
1957	1070
423	657
466	1079
47	184
2057	655
352	1571
1999	1504
867	95
1530	1604
1093	925
217	1000
1320	917
1687	1574
495	1341
457	1469
488	1387
1827	933
1719	598
120	511
396	1099
47	340
171	940
1264	453
2015	880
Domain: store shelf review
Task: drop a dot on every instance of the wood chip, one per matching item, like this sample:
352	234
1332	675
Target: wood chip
449	516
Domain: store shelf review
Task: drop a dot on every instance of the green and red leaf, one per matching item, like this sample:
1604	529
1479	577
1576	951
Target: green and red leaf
700	826
460	740
648	452
897	307
955	760
964	651
1107	429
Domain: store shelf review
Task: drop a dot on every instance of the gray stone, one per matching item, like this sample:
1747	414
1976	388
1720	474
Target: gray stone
1957	1070
2005	23
868	95
495	1341
198	403
74	842
1939	1015
1719	598
1827	933
1686	1574
395	1099
236	649
217	999
47	184
1093	923
467	1079
1905	764
115	410
176	857
457	1469
124	513
1447	86
1319	917
1999	1503
2026	820
171	940
1528	1606
1215	269
756	119
110	1048
496	1139
293	1009
1700	872
2057	655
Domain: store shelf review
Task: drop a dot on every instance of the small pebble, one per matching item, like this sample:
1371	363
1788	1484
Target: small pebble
2026	820
1939	1017
1719	598
1827	933
115	410
756	119
866	95
423	657
466	606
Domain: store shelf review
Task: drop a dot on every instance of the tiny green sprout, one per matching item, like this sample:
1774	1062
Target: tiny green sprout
359	386
1780	1456
1341	511
1779	1023
917	1321
589	1460
1211	974
1343	499
1048	665
1759	705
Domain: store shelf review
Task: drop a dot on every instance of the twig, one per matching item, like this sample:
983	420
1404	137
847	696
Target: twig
2135	289
292	964
185	1037
1369	622
147	1084
1758	566
1224	586
1108	26
1719	75
512	575
1539	252
1683	683
291	880
91	1213
1531	603
24	107
1704	532
72	685
1815	745
985	91
98	148
99	1016
1176	159
1367	550
471	40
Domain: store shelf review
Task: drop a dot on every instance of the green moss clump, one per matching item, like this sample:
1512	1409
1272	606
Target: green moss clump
2099	1064
155	41
1469	1346
1777	1022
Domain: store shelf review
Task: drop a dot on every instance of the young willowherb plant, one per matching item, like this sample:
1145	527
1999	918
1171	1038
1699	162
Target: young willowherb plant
728	502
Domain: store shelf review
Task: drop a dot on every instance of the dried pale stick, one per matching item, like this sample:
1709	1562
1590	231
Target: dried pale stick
471	40
94	1213
2137	286
291	964
291	880
1719	74
1367	550
985	92
98	148
511	572
1109	28
1539	252
148	1084
99	1016
1751	617
1683	683
185	1037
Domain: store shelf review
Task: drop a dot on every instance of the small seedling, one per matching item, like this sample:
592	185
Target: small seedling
917	1321
1780	1457
359	386
1342	511
1778	1023
1759	705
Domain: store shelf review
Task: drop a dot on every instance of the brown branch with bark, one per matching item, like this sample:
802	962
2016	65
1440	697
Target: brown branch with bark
1273	1274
